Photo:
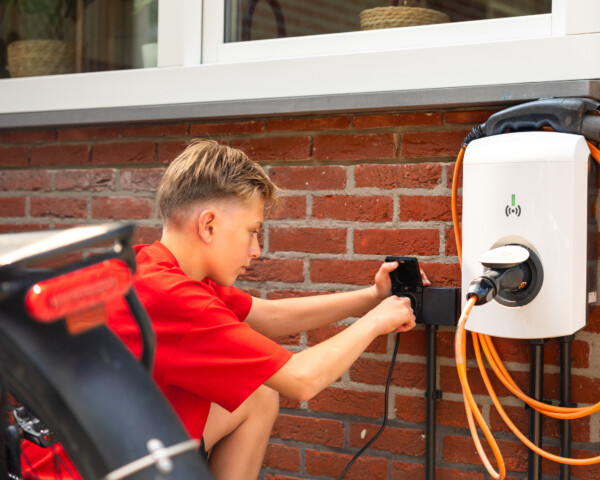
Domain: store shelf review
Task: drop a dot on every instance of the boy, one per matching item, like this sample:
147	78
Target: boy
215	361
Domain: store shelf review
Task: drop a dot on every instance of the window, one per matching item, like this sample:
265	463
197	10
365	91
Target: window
204	63
248	20
74	36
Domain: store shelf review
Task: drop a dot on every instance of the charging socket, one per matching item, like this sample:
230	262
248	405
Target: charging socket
431	305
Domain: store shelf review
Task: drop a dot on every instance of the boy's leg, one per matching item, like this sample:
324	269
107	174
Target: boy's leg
237	440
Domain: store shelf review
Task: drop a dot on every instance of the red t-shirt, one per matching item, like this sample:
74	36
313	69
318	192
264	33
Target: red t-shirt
205	352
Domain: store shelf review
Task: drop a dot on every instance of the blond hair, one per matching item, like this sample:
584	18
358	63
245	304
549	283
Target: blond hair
207	170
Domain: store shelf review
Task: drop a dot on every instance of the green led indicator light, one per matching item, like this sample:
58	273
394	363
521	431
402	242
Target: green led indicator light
513	199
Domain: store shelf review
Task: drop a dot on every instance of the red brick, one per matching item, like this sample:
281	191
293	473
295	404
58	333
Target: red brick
276	270
13	157
443	274
288	207
88	133
411	175
580	428
85	180
583	389
461	450
309	430
173	130
56	155
445	345
289	403
408	471
375	372
379	345
332	464
309	178
351	272
397	242
278	294
449	474
22	227
588	471
432	144
512	350
282	457
120	153
12	206
401	441
355	147
58	207
348	402
397	120
450	172
449	381
451	249
313	240
275	148
288	340
593	325
141	179
146	235
270	476
425	208
28	136
452	414
354	208
122	208
169	151
238	128
413	342
413	409
476	116
304	124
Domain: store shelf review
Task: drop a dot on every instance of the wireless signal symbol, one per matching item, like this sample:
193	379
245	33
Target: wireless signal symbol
513	209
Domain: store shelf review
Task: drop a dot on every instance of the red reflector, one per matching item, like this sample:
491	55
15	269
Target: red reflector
75	291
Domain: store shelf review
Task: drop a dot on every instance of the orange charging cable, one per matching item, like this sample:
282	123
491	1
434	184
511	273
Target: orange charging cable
460	348
481	341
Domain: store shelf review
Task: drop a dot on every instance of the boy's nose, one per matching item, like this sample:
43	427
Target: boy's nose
254	249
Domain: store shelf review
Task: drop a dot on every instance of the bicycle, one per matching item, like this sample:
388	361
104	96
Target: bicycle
77	382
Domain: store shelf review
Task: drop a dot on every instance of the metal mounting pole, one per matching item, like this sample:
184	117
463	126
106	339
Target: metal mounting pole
536	391
432	394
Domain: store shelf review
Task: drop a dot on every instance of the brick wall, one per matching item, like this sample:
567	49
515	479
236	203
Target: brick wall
358	187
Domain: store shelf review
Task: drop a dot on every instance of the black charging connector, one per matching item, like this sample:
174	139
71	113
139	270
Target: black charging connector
431	305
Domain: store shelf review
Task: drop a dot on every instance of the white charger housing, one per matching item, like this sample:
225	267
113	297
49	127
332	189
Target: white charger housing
531	189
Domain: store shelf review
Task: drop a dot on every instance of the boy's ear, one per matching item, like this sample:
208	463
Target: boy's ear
205	224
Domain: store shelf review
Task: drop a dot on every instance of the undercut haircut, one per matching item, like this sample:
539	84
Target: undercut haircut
207	170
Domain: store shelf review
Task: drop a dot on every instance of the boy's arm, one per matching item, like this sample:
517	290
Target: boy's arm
310	371
277	318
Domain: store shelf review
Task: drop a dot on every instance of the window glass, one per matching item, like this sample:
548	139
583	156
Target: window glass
48	37
267	19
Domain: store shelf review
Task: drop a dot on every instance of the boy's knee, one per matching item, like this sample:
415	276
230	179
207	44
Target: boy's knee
267	401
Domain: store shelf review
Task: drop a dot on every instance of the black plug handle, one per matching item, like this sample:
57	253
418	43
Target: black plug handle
565	115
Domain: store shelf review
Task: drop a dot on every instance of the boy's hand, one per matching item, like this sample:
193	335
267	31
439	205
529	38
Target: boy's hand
383	285
394	314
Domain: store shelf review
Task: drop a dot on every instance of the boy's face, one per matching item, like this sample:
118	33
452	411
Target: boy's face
236	241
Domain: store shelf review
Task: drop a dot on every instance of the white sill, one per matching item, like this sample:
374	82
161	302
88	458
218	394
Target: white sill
514	62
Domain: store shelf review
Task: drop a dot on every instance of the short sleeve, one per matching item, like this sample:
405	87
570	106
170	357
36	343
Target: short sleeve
223	359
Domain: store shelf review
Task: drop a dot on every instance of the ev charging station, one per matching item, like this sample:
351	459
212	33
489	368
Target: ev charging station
531	189
529	256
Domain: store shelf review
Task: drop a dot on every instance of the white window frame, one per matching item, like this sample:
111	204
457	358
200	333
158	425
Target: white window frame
196	66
